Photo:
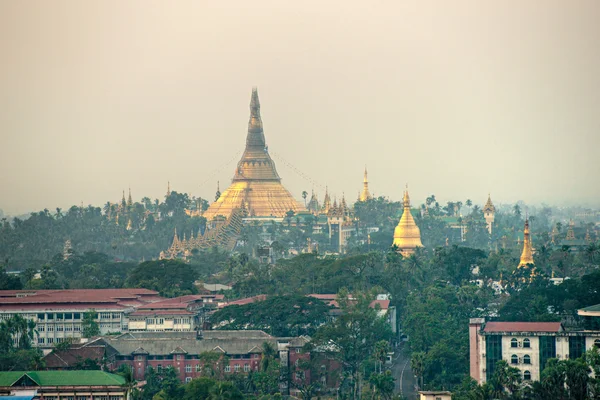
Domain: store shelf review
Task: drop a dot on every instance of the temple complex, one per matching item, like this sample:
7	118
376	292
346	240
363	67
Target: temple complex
407	236
256	184
365	194
527	254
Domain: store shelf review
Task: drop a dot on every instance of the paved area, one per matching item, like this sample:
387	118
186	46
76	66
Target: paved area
405	379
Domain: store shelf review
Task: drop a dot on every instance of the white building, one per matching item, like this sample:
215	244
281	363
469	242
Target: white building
59	314
524	345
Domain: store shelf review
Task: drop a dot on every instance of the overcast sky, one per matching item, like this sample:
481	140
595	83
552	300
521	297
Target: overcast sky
455	98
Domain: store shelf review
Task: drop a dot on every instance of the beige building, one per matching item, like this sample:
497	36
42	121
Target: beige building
524	345
435	395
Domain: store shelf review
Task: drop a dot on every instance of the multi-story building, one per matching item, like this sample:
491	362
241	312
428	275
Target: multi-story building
185	313
526	345
59	314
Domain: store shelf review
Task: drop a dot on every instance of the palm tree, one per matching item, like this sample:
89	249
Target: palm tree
592	251
269	353
127	373
417	364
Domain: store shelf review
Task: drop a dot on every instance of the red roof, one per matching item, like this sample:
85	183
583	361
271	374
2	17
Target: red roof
76	299
159	312
248	300
495	326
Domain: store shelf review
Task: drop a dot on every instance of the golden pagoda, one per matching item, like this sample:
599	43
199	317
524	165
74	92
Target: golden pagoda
527	254
570	231
255	184
407	236
365	194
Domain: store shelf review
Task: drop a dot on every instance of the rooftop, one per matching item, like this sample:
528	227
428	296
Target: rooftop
591	311
495	326
62	378
76	298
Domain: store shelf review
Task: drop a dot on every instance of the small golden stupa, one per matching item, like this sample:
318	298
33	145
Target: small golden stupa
407	236
256	184
365	194
527	254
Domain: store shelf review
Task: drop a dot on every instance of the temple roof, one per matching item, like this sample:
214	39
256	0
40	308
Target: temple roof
489	206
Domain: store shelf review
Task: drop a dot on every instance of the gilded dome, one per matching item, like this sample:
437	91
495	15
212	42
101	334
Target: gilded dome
407	235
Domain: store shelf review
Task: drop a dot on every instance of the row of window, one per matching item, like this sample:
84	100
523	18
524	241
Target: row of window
236	368
161	321
59	328
50	340
188	368
514	359
526	343
83	397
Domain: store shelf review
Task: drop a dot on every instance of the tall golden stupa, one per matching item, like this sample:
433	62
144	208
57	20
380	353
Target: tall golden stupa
256	186
365	194
407	235
527	254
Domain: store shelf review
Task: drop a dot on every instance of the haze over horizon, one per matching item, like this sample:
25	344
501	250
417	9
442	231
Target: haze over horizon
456	99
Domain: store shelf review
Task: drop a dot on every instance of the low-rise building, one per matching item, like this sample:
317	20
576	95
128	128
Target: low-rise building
435	395
524	345
185	313
59	314
59	385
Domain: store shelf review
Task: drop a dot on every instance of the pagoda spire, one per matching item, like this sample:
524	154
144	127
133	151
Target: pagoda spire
256	137
365	195
129	199
168	188
527	254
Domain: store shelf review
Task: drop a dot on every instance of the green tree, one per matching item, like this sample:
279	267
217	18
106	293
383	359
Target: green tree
89	326
351	337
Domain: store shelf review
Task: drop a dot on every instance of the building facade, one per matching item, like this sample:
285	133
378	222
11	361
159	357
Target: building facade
524	345
59	314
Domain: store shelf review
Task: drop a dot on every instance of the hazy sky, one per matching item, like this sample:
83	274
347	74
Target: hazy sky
457	98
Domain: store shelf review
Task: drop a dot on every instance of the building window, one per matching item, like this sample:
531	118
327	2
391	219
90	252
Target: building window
514	343
41	340
246	368
597	343
188	379
198	368
188	368
526	376
526	359
41	317
50	328
139	358
526	343
77	315
41	328
178	370
227	368
514	359
236	367
178	357
76	328
50	340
